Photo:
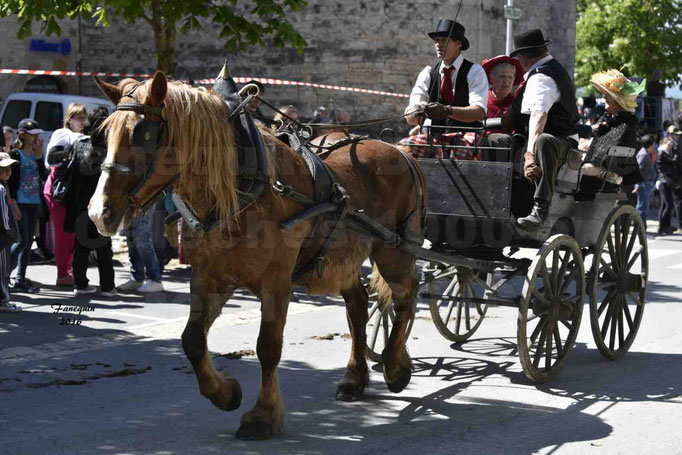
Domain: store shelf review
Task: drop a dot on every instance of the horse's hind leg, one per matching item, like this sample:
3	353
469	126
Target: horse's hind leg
398	270
356	378
206	303
266	418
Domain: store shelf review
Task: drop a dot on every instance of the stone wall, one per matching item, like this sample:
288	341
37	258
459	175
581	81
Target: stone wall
379	45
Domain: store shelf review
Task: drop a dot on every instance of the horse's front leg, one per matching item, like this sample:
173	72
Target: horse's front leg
206	301
266	418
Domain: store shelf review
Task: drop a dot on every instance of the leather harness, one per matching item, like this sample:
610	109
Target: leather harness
329	198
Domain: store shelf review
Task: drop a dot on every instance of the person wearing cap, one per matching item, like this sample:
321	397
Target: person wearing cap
454	91
669	184
545	111
8	235
24	187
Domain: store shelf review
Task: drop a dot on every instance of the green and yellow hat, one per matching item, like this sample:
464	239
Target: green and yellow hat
614	83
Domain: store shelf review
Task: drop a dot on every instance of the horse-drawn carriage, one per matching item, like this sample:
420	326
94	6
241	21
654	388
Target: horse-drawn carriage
593	244
264	212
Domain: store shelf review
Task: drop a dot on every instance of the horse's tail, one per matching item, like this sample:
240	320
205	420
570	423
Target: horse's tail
378	285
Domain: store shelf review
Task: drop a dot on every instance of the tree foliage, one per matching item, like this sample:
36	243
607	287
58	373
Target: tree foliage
241	22
639	36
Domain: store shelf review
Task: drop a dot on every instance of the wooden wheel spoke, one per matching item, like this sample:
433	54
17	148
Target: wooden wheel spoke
562	271
467	316
612	249
621	338
556	256
618	242
628	316
538	295
631	244
636	300
634	258
541	325
614	321
607	321
375	333
451	306
538	352
606	301
605	267
546	280
557	341
568	325
458	323
548	353
373	311
571	275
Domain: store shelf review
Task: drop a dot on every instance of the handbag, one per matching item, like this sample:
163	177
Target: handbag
64	175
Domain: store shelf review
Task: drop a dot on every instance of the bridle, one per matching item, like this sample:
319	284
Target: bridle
149	132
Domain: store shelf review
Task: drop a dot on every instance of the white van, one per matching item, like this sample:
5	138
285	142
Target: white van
46	108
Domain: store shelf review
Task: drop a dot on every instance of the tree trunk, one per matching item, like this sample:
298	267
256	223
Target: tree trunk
164	39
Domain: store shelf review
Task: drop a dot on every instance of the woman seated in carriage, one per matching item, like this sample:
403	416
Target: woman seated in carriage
503	73
618	127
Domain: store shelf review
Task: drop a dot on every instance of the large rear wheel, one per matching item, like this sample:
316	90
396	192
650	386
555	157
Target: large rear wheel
618	281
551	308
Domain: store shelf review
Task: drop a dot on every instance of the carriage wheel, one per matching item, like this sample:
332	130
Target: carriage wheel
379	326
618	282
552	305
456	320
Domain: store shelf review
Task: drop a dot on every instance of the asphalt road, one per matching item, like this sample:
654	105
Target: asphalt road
119	383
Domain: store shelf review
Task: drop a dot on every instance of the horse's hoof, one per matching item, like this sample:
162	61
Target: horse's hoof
233	391
401	382
254	431
349	392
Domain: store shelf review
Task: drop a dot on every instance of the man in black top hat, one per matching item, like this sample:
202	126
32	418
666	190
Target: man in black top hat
545	112
454	91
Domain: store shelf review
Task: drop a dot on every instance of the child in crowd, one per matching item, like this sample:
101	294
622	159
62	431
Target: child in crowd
8	235
24	186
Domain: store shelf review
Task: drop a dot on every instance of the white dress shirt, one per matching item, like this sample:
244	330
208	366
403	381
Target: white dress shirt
477	79
541	90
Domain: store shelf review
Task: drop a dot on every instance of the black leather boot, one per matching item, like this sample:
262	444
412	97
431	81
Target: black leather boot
537	218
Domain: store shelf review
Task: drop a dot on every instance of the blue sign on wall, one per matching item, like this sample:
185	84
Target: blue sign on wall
63	47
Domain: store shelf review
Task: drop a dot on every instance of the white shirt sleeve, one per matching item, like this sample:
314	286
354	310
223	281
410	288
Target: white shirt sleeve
478	87
420	91
541	93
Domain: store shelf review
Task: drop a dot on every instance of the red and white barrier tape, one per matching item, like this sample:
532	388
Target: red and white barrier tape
72	73
238	79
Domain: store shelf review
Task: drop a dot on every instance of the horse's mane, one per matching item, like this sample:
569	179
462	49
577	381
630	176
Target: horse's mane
203	139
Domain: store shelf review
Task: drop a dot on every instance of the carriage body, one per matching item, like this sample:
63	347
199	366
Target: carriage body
593	246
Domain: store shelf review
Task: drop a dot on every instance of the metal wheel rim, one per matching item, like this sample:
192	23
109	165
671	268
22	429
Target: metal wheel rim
622	248
447	315
544	346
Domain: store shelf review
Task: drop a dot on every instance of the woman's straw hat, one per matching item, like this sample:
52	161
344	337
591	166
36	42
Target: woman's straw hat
614	83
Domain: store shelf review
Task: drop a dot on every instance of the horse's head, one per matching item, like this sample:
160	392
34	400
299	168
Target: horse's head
139	162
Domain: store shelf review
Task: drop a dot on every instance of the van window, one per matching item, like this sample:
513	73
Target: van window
49	115
16	111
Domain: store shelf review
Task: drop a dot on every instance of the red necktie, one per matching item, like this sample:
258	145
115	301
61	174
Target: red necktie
446	90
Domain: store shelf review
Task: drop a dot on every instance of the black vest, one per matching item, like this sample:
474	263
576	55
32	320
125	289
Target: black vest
461	92
563	115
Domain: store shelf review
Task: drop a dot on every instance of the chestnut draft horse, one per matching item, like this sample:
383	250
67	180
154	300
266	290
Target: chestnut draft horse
250	249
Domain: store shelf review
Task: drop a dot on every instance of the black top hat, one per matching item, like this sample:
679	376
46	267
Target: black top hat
531	39
447	28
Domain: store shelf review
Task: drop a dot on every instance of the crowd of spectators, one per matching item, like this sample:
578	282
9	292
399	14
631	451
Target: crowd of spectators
57	188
